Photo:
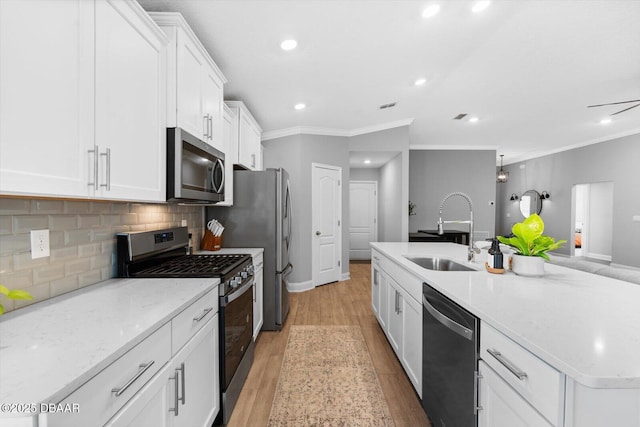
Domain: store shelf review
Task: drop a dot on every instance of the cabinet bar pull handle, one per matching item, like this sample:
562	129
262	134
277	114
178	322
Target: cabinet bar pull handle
182	399
175	389
253	160
507	364
94	184
206	311
143	368
205	123
476	407
107	154
211	127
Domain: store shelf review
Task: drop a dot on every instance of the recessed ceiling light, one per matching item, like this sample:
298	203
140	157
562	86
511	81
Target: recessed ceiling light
289	44
300	106
431	10
420	82
479	6
473	119
605	121
366	162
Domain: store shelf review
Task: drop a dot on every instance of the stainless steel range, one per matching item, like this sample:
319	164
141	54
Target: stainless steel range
163	253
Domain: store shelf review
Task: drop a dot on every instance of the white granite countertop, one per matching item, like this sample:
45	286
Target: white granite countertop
582	324
49	349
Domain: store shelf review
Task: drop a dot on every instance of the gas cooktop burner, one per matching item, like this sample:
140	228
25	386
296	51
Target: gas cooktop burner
195	266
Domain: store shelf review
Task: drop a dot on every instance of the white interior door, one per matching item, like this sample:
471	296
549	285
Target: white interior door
326	206
363	214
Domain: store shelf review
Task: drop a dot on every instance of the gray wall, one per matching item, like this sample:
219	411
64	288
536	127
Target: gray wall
435	173
296	153
390	228
616	161
362	174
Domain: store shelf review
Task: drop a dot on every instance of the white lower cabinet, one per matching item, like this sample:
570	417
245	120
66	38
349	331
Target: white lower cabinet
153	385
258	299
184	393
400	317
501	405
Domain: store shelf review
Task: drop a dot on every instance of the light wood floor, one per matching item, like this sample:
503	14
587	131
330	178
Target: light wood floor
342	303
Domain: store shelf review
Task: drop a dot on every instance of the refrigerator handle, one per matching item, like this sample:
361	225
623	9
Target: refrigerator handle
288	212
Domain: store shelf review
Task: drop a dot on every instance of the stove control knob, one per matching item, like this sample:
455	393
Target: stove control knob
251	269
244	274
235	282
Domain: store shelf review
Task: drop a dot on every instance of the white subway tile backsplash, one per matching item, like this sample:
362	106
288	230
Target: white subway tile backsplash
63	222
24	224
14	206
82	239
47	273
47	206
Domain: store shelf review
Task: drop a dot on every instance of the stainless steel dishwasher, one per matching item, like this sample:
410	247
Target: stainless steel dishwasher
450	348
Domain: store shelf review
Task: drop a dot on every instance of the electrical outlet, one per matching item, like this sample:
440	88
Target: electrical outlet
184	223
39	243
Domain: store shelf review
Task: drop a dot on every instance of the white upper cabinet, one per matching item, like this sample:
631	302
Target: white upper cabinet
46	106
130	103
83	100
194	83
249	136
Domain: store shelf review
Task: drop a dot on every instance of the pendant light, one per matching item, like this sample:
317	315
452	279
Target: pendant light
503	175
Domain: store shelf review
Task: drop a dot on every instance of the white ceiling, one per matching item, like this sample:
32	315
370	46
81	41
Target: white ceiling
526	68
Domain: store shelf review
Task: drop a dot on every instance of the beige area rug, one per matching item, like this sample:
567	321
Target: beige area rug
327	379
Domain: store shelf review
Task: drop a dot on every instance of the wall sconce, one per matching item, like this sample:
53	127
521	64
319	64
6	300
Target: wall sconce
545	195
514	197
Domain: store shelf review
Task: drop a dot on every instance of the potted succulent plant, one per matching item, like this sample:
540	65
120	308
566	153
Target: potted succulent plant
531	246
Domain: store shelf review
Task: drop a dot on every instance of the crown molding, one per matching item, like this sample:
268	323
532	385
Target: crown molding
311	130
453	147
536	154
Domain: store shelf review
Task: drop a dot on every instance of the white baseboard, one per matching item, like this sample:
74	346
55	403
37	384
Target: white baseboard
300	286
598	256
345	276
628	267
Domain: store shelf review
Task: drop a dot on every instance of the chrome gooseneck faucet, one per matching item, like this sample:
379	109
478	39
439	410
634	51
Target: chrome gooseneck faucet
472	249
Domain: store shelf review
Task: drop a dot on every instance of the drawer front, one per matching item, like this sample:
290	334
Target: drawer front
538	383
187	323
410	283
98	401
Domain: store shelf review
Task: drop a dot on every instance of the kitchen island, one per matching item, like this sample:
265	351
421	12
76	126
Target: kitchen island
583	326
51	351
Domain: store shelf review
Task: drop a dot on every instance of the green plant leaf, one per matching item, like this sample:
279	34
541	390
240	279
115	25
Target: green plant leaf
529	240
4	290
1	309
19	294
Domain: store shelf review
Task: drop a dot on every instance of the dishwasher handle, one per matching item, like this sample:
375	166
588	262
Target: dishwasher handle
449	323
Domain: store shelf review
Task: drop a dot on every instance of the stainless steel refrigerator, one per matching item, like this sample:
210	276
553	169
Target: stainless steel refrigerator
261	218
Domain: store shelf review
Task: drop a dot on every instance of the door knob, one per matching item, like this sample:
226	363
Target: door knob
318	233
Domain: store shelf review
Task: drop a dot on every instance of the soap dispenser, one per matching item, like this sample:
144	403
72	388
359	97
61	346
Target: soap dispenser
495	255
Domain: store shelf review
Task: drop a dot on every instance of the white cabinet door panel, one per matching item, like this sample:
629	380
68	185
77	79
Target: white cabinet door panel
130	111
46	107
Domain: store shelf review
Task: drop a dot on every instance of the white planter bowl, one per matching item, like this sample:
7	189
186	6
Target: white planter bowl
529	266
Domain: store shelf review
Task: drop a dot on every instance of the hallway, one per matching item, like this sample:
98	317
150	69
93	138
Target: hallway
341	303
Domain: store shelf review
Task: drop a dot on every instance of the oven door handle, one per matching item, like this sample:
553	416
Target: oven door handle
228	299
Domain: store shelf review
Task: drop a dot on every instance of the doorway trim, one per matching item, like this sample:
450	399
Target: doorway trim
314	255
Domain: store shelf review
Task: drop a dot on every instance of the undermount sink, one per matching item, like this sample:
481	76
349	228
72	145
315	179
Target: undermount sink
439	264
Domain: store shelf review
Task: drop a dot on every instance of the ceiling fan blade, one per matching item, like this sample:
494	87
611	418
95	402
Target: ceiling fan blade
626	109
614	103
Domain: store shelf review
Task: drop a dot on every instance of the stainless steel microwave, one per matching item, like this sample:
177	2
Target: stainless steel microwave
195	170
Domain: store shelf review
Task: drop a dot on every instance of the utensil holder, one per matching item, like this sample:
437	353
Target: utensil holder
211	242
